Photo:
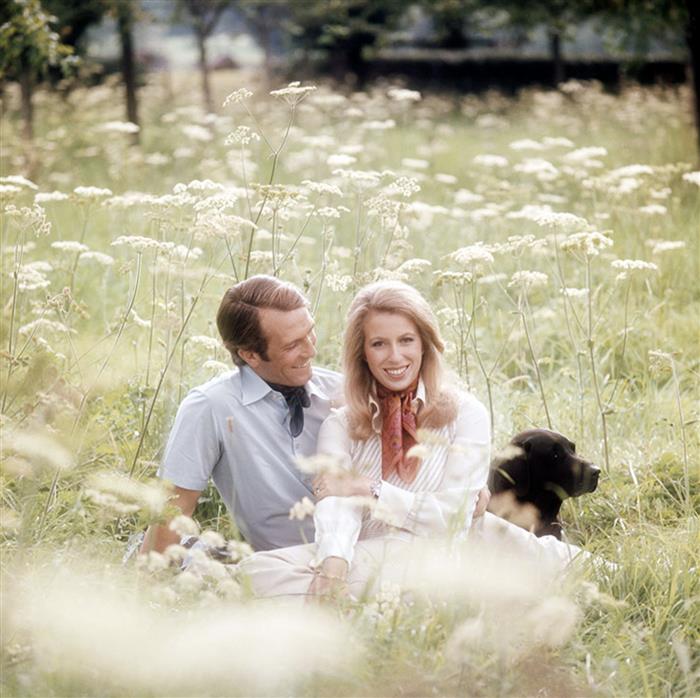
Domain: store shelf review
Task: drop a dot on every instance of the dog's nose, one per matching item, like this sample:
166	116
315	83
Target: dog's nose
593	474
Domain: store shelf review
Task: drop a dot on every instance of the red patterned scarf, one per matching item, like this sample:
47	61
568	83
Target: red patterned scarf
398	432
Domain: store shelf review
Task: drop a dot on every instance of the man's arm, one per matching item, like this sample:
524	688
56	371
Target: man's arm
159	537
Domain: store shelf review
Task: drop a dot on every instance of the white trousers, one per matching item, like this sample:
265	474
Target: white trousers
287	572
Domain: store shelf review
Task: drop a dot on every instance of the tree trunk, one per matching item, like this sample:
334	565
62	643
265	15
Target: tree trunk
26	81
204	72
693	39
557	58
125	22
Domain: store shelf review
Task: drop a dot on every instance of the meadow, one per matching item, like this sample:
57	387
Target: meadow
556	236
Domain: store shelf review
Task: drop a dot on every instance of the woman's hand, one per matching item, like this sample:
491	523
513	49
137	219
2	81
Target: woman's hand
341	485
330	580
482	502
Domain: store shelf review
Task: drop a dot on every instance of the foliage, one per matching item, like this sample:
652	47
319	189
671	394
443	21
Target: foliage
27	40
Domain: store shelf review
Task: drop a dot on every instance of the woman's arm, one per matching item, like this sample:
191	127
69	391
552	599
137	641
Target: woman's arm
337	518
466	472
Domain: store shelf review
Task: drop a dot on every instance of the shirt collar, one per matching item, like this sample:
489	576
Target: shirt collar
376	411
254	388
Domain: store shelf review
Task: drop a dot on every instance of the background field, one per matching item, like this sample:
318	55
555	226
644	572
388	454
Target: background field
556	236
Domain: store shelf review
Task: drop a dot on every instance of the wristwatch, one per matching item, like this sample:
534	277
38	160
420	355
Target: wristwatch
375	488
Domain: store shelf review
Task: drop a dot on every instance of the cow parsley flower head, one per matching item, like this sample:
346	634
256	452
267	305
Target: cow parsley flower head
399	94
120	127
528	279
18	181
293	93
661	246
238	96
488	160
69	246
92	193
692	178
243	135
301	509
46	197
472	256
590	243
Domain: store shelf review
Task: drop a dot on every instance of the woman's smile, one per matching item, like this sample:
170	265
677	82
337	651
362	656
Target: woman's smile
393	349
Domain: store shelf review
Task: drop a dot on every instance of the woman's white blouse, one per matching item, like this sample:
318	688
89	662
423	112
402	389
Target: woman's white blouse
440	501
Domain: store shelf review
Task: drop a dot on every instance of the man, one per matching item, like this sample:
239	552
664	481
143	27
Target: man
244	429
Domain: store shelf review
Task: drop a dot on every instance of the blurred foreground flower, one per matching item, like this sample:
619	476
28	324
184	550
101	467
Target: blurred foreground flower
83	629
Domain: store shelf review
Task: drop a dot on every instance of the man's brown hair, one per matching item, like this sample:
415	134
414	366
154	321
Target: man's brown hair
238	318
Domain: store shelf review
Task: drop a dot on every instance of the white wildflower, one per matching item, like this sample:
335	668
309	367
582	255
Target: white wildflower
488	160
445	178
661	246
204	341
18	181
398	94
322	187
340	160
472	255
361	179
653	210
557	141
69	246
464	196
38	448
537	166
92	193
293	93
630	171
9	190
196	132
243	135
46	197
104	259
415	163
575	292
120	127
302	509
633	265
582	155
375	125
139	321
554	220
238	96
184	526
589	243
217	367
41	325
692	177
528	279
414	266
526	144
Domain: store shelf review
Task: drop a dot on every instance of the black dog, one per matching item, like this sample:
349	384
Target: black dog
542	471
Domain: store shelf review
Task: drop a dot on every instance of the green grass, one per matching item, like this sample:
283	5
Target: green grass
99	388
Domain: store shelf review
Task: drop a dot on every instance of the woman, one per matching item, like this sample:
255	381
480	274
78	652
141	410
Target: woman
395	385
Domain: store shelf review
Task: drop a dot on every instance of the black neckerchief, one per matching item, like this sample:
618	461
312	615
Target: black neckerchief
297	399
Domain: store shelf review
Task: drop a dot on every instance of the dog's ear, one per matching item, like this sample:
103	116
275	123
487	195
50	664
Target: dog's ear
512	471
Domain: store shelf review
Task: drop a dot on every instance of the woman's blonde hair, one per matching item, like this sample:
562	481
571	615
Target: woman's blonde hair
394	297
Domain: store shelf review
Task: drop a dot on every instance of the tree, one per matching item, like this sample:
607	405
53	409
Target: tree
640	21
28	48
342	32
125	22
204	16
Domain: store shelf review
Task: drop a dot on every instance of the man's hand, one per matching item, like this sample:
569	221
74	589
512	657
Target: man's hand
482	502
330	580
341	485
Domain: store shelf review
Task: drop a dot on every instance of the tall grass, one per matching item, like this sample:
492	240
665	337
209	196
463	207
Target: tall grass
556	236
